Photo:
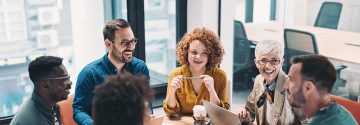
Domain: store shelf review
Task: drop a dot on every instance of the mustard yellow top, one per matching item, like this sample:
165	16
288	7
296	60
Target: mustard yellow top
185	95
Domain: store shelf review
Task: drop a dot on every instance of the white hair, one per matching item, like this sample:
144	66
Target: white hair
269	46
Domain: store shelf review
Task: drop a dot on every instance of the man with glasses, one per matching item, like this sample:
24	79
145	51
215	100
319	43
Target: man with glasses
267	102
120	43
51	85
311	78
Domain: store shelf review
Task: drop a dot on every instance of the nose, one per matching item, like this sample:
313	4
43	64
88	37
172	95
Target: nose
198	56
69	83
286	85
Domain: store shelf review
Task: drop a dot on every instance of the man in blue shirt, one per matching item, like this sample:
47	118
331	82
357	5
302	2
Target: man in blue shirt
120	43
311	78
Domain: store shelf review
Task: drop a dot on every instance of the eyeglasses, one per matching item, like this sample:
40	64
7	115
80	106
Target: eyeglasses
66	78
265	61
126	43
203	54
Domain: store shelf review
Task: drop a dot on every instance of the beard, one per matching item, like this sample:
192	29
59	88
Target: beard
297	99
120	56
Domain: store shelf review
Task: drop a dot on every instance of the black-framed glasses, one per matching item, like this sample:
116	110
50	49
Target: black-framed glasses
65	78
264	61
126	43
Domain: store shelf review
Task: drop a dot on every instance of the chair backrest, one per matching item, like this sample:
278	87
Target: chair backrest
298	43
66	111
329	15
353	107
241	46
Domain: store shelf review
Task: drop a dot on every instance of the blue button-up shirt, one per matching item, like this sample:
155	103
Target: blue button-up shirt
92	75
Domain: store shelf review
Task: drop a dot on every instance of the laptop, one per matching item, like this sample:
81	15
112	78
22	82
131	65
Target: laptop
220	116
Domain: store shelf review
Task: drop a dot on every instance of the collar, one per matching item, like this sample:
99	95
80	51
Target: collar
43	106
110	66
272	85
187	73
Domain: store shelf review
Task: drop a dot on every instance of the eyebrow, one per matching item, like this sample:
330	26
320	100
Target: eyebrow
197	51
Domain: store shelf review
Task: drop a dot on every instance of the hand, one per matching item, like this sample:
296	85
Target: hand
208	81
244	115
176	83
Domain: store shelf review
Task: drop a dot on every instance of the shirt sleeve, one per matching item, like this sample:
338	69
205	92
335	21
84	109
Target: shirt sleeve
83	98
223	92
170	110
251	101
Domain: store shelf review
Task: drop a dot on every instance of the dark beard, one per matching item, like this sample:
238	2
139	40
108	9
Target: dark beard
119	57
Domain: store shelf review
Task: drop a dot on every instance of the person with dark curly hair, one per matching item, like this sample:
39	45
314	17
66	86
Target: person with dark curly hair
199	52
51	85
122	100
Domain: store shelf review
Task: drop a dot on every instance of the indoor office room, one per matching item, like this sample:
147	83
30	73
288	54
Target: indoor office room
73	30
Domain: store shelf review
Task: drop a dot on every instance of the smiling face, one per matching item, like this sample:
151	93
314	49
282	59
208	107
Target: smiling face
269	65
294	86
59	89
197	55
118	52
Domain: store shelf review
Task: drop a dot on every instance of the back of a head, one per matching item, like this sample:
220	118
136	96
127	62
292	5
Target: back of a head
120	100
112	26
269	46
41	67
319	69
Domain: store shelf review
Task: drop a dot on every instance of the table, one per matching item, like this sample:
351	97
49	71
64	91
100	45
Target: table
335	44
184	120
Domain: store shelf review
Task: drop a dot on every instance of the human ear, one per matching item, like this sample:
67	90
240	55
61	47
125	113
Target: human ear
108	43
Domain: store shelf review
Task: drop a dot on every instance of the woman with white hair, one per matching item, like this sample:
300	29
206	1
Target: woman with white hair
267	101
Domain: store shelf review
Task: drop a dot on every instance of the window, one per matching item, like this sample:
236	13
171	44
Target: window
114	9
29	29
160	39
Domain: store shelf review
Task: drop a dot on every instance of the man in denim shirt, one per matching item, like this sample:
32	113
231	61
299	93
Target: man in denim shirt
311	78
120	43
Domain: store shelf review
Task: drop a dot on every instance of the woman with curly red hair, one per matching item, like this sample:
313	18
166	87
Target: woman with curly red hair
199	52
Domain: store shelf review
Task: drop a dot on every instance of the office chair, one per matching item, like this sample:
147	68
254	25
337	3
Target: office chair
303	43
66	111
351	106
244	68
329	15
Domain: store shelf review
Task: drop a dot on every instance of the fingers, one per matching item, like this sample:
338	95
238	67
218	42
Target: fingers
177	82
244	114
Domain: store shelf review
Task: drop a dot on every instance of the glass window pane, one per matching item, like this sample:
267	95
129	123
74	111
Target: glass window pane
160	39
22	38
115	9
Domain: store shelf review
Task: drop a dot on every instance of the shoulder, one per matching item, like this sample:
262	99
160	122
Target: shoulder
27	114
137	62
219	73
138	65
177	71
89	68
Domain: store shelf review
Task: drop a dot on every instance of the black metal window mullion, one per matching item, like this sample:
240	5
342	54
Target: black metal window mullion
181	20
136	18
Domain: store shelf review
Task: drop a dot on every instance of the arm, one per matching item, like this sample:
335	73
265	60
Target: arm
217	88
171	104
222	93
82	100
250	106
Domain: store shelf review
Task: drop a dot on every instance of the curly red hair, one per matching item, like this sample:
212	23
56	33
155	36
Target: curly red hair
206	37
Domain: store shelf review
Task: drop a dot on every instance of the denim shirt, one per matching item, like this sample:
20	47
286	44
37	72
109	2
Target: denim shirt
92	75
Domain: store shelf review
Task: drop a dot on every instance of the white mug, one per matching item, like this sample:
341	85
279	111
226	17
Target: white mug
199	112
